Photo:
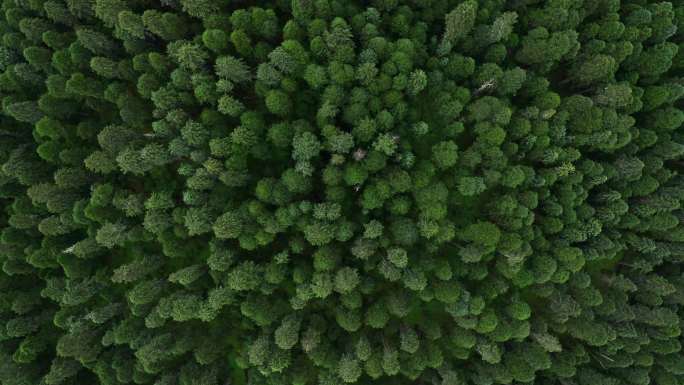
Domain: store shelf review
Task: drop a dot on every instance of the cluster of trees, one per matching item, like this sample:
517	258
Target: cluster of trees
202	192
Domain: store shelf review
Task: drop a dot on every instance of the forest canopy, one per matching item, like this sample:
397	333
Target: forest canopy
323	192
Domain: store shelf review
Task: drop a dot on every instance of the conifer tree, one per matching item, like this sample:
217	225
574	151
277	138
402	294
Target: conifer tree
305	192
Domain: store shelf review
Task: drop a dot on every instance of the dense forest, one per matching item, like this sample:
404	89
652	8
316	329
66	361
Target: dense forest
321	192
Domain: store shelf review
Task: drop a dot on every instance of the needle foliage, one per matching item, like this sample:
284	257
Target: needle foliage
322	192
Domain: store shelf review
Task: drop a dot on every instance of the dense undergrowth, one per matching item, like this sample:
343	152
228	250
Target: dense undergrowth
290	192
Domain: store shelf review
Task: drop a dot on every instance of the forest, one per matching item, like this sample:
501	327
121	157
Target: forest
330	192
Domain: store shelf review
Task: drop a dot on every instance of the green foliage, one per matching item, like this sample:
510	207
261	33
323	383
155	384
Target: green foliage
460	21
318	192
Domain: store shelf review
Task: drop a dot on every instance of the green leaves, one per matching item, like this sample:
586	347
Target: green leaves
228	225
346	279
594	69
445	154
305	146
278	103
326	192
232	69
483	233
460	21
